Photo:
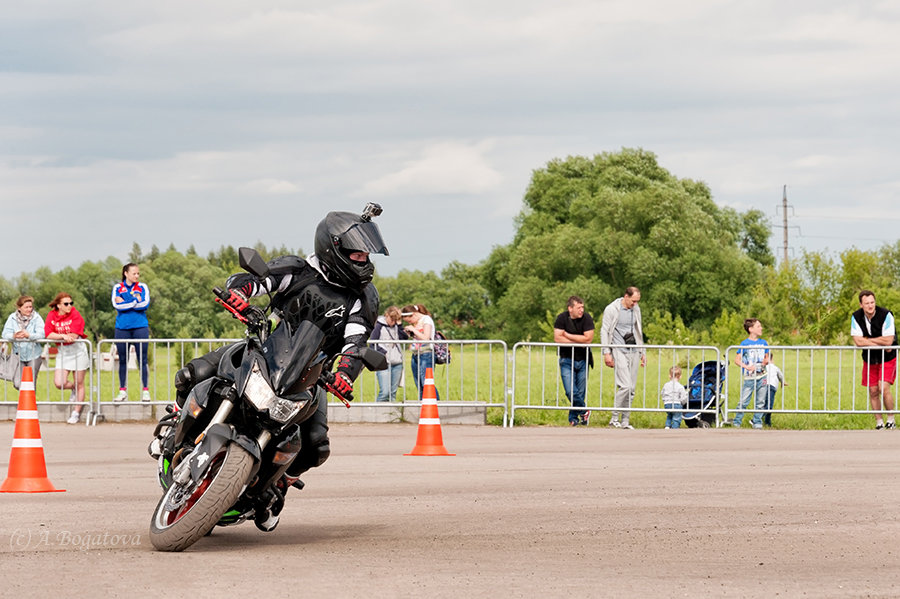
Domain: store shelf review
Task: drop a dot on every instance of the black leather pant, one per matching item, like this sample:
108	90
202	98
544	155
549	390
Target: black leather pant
315	447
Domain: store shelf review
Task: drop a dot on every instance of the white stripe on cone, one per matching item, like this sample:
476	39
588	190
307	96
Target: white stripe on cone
429	420
26	415
429	381
26	386
27	443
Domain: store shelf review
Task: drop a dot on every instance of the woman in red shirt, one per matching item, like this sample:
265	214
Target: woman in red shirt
65	324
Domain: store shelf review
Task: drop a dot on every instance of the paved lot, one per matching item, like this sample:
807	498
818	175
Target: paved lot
525	512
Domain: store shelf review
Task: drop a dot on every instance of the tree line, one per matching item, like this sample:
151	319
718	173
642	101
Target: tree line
589	226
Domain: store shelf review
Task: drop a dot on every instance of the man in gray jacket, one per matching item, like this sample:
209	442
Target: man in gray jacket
622	327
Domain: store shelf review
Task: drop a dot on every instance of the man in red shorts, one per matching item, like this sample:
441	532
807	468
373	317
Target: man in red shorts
873	327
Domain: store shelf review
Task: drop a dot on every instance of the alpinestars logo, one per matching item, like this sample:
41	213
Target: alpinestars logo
201	459
339	312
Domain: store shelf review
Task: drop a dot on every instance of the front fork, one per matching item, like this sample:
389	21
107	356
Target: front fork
183	472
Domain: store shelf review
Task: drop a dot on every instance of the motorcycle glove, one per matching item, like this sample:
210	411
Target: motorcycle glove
349	366
237	300
342	384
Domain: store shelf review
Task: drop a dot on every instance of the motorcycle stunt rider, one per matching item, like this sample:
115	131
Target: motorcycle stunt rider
332	288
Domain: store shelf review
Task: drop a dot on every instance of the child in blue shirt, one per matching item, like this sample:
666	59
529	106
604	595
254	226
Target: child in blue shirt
752	357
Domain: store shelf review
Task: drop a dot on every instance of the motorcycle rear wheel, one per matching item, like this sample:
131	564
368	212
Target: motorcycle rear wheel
178	529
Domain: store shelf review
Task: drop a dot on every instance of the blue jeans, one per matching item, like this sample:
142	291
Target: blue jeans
574	371
140	349
673	419
759	388
419	362
770	403
388	381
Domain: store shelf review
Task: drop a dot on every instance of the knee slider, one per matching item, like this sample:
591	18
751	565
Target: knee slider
184	380
322	453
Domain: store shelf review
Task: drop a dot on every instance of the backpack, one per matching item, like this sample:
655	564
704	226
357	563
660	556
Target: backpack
441	350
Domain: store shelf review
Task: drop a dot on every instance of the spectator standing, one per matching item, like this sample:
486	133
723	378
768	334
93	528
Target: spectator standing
574	325
387	329
24	327
66	325
752	357
130	298
622	326
873	327
674	397
420	326
773	377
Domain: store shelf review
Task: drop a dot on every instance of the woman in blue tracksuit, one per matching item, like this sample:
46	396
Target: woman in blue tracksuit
130	298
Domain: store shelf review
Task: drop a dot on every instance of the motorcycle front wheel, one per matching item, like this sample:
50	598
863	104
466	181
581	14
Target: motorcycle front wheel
179	522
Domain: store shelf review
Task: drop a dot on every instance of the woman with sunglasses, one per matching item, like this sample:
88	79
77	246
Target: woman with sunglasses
66	325
420	326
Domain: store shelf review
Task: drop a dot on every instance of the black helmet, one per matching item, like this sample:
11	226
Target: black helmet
339	235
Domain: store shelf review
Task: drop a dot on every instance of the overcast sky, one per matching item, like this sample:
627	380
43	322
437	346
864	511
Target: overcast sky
211	123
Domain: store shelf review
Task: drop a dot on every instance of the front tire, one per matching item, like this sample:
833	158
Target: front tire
178	528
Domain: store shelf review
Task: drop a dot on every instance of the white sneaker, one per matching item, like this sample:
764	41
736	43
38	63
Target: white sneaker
74	418
145	395
627	426
122	395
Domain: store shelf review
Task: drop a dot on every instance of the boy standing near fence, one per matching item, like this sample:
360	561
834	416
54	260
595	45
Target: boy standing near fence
773	377
674	397
752	357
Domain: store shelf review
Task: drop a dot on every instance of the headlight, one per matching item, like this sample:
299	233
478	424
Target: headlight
259	393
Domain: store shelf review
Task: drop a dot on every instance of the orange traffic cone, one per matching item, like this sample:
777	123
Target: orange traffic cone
27	469
430	441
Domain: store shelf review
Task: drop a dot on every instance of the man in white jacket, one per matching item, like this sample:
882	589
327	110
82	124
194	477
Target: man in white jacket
622	328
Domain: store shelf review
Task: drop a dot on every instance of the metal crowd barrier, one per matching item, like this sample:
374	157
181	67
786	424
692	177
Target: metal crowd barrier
164	358
46	391
477	375
820	380
537	385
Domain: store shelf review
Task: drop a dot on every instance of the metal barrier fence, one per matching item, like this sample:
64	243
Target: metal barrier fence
537	384
164	358
475	376
45	385
820	380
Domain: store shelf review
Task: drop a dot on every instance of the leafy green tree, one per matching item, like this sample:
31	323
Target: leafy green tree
593	226
181	301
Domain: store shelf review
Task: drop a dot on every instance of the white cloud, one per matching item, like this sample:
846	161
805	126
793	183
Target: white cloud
442	168
198	109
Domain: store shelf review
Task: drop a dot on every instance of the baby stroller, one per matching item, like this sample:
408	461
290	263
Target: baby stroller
704	389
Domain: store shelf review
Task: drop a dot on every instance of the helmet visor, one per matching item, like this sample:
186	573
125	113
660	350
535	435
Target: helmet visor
363	237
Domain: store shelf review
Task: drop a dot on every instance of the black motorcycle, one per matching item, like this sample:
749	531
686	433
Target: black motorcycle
222	451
